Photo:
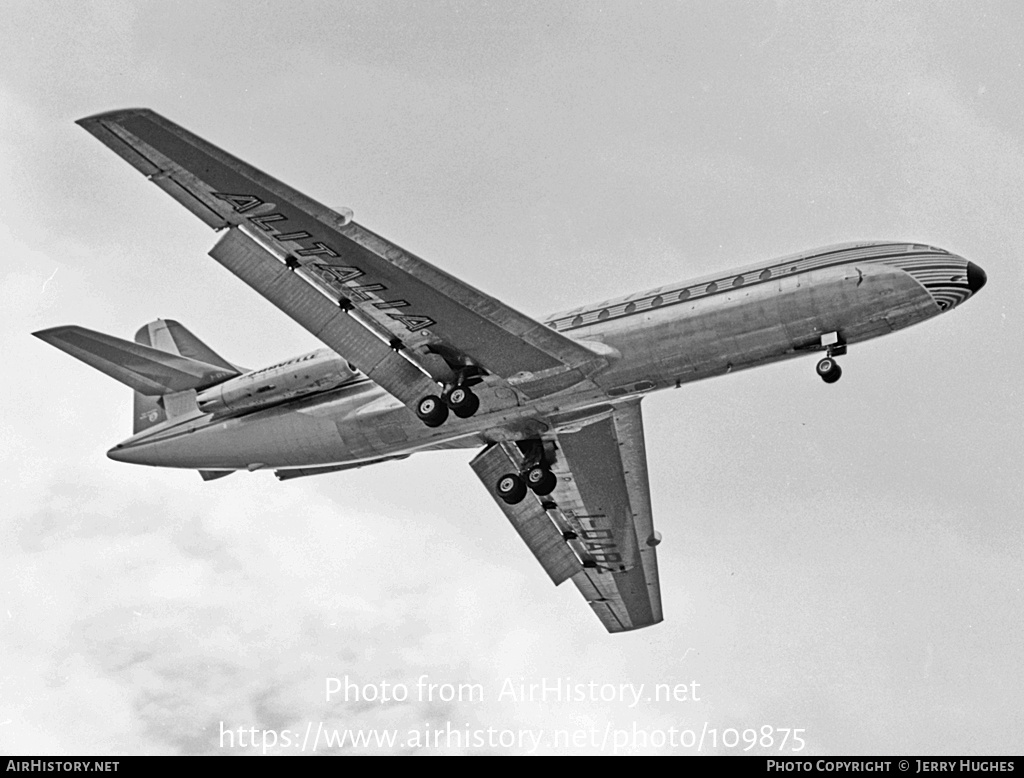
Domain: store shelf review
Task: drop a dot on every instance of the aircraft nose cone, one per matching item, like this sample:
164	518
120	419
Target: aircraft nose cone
976	277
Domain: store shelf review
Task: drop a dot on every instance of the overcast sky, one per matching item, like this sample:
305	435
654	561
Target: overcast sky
843	559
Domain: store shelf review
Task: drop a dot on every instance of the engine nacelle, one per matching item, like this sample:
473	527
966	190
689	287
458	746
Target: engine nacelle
312	373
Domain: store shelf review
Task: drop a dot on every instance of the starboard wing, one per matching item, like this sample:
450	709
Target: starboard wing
596	527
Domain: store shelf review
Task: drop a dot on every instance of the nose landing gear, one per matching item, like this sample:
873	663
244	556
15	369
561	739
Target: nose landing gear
829	370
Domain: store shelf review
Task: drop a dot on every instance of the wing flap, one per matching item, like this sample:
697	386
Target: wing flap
412	300
261	270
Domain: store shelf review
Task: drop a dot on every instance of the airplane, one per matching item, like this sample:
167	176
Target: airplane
413	360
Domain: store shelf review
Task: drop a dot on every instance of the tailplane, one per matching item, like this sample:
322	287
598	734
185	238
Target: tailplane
165	366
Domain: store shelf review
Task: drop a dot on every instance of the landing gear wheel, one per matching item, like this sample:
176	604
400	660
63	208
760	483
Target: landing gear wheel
829	370
541	480
463	402
511	488
431	411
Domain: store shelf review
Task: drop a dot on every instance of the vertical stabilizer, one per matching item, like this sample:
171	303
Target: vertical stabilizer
170	336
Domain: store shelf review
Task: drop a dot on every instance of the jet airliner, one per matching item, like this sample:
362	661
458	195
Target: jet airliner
413	359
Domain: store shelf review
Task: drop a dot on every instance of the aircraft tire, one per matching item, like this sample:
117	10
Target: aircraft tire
541	480
511	488
463	402
432	411
829	370
834	376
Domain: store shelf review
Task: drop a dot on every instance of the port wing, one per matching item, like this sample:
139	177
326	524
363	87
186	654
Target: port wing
436	321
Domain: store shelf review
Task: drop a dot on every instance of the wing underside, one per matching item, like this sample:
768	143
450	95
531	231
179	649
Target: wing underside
596	527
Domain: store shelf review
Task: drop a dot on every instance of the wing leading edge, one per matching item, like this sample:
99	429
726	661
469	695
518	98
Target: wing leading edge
414	305
596	527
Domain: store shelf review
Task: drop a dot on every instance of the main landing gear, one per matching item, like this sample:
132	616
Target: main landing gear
534	473
462	402
459	399
512	487
432	411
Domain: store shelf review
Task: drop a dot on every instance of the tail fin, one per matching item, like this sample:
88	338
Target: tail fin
165	365
170	336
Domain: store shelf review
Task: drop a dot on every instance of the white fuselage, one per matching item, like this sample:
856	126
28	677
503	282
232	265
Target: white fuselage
653	340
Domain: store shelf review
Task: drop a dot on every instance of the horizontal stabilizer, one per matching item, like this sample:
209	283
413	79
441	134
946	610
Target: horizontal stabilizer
148	371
